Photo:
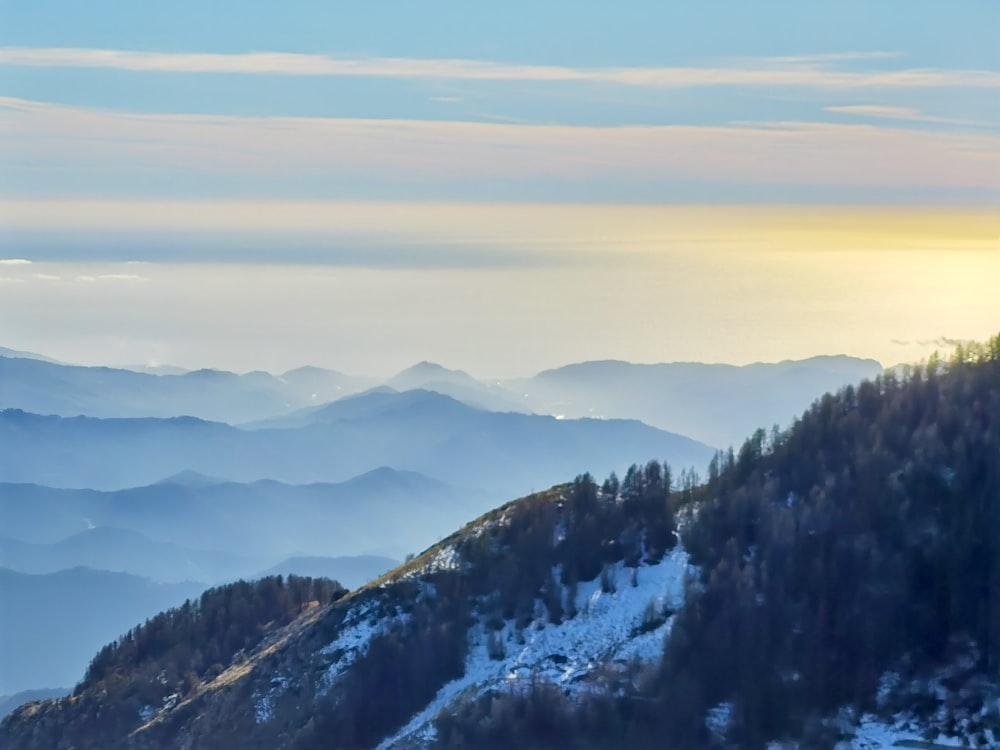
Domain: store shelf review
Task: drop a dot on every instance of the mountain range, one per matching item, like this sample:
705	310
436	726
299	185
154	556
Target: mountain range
47	387
830	583
717	404
714	403
251	525
417	431
290	474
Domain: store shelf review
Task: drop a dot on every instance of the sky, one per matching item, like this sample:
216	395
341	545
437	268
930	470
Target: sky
500	188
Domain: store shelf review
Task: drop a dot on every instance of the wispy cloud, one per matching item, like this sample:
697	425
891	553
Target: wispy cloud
121	277
828	57
814	153
14	262
908	114
805	70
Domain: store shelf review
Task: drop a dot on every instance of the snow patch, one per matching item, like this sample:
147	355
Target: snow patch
719	720
872	734
351	643
264	704
446	558
610	628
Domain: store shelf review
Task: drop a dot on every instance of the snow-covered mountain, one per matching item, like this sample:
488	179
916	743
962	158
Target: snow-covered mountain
515	597
830	586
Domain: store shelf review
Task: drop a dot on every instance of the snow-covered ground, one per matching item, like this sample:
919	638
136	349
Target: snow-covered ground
263	708
351	642
959	709
605	629
874	734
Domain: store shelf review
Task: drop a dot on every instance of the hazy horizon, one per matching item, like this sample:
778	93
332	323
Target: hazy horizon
365	187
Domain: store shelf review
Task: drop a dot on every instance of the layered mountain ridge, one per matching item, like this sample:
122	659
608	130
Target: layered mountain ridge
831	581
435	435
714	403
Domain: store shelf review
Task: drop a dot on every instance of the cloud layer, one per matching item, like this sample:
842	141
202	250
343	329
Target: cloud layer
410	151
809	71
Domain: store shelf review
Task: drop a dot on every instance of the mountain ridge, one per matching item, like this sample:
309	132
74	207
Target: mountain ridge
799	532
689	398
507	453
362	515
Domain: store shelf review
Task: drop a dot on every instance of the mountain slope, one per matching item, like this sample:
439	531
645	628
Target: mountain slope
870	532
9	702
352	572
839	585
518	591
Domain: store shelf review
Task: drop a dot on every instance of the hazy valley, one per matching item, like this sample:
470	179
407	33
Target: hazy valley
712	607
344	489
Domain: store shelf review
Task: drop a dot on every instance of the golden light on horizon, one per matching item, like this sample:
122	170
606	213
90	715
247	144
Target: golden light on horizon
393	283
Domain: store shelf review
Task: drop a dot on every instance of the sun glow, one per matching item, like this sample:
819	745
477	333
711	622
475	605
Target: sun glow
375	286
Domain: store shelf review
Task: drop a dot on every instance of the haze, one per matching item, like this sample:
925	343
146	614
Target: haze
498	189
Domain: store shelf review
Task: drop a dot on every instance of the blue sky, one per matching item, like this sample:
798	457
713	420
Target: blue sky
570	32
365	185
841	81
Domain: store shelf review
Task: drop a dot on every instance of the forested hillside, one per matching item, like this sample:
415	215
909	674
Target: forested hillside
359	669
156	664
850	561
863	540
848	566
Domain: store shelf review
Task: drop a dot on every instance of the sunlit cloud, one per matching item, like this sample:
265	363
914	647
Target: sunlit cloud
827	57
475	236
731	272
887	112
91	278
815	153
47	277
14	262
806	70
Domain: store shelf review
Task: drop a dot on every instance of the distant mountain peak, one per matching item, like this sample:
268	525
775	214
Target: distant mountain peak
385	475
156	369
16	354
427	366
424	372
310	370
209	372
190	478
379	389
